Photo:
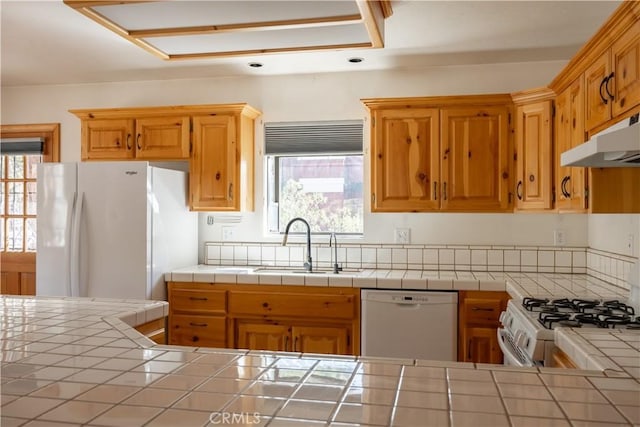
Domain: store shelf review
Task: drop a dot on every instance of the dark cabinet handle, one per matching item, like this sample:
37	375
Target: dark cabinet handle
444	191
602	83
606	86
203	325
231	191
435	190
518	192
198	298
128	139
138	142
286	343
563	186
481	309
469	351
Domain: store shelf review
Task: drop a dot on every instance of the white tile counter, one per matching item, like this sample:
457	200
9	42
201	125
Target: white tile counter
75	362
517	284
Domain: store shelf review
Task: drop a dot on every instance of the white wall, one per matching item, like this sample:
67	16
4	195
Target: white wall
316	97
618	233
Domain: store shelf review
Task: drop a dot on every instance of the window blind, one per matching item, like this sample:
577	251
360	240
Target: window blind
16	146
302	138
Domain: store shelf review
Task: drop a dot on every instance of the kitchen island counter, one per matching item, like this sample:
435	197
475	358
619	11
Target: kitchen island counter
76	362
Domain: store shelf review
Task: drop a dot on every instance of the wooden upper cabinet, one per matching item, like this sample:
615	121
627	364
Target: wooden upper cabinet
108	139
162	138
570	182
474	152
440	153
221	168
612	81
405	160
534	156
213	166
218	141
150	138
597	101
625	59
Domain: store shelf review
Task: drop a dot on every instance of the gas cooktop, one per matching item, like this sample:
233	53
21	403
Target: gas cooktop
579	313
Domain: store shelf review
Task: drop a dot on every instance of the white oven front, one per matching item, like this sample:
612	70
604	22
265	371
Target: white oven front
522	339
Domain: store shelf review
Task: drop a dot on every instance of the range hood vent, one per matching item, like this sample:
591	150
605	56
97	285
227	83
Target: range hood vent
617	146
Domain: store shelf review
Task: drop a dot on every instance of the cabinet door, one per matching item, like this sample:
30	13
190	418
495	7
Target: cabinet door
404	160
213	168
162	138
316	339
534	156
481	346
625	57
263	336
577	184
597	102
109	139
474	154
570	184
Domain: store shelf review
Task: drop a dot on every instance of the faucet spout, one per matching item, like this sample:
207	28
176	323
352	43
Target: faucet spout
308	265
334	239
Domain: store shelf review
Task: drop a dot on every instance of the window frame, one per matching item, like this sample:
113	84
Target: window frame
50	132
273	186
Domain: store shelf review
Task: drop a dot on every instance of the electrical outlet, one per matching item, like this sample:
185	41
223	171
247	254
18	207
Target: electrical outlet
559	238
402	235
209	219
228	233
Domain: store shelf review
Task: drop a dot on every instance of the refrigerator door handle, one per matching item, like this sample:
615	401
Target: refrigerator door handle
69	247
75	247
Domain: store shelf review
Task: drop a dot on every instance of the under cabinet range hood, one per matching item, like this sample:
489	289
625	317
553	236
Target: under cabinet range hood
617	146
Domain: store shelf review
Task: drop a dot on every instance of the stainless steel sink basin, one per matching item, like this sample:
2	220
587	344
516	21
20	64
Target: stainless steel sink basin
298	270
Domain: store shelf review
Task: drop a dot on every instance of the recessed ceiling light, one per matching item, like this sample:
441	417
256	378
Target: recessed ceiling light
355	60
255	64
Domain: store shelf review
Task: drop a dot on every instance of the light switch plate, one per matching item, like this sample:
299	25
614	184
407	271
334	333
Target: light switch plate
402	235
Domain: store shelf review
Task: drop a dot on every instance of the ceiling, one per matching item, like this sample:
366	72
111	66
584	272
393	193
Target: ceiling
48	42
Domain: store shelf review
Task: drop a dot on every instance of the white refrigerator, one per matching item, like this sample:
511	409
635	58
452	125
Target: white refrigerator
112	229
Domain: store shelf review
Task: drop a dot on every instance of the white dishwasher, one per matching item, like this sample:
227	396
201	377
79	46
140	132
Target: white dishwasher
410	325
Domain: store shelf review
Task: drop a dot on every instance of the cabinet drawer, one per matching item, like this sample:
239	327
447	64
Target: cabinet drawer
205	331
311	305
213	301
482	311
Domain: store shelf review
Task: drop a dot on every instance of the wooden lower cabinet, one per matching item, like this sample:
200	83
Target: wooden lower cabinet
303	319
155	330
204	331
262	336
304	339
478	321
480	345
559	359
321	339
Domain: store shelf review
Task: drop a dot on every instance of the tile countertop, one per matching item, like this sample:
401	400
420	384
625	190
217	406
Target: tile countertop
76	362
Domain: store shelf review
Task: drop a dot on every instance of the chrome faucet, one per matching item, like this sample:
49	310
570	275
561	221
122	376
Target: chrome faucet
333	238
308	265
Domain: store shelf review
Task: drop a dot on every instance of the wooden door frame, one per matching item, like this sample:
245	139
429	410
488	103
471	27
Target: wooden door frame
25	262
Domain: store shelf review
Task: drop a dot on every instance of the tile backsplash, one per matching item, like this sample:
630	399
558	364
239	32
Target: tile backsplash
405	257
608	266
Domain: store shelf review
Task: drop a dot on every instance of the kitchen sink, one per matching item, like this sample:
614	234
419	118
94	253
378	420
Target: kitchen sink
298	270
